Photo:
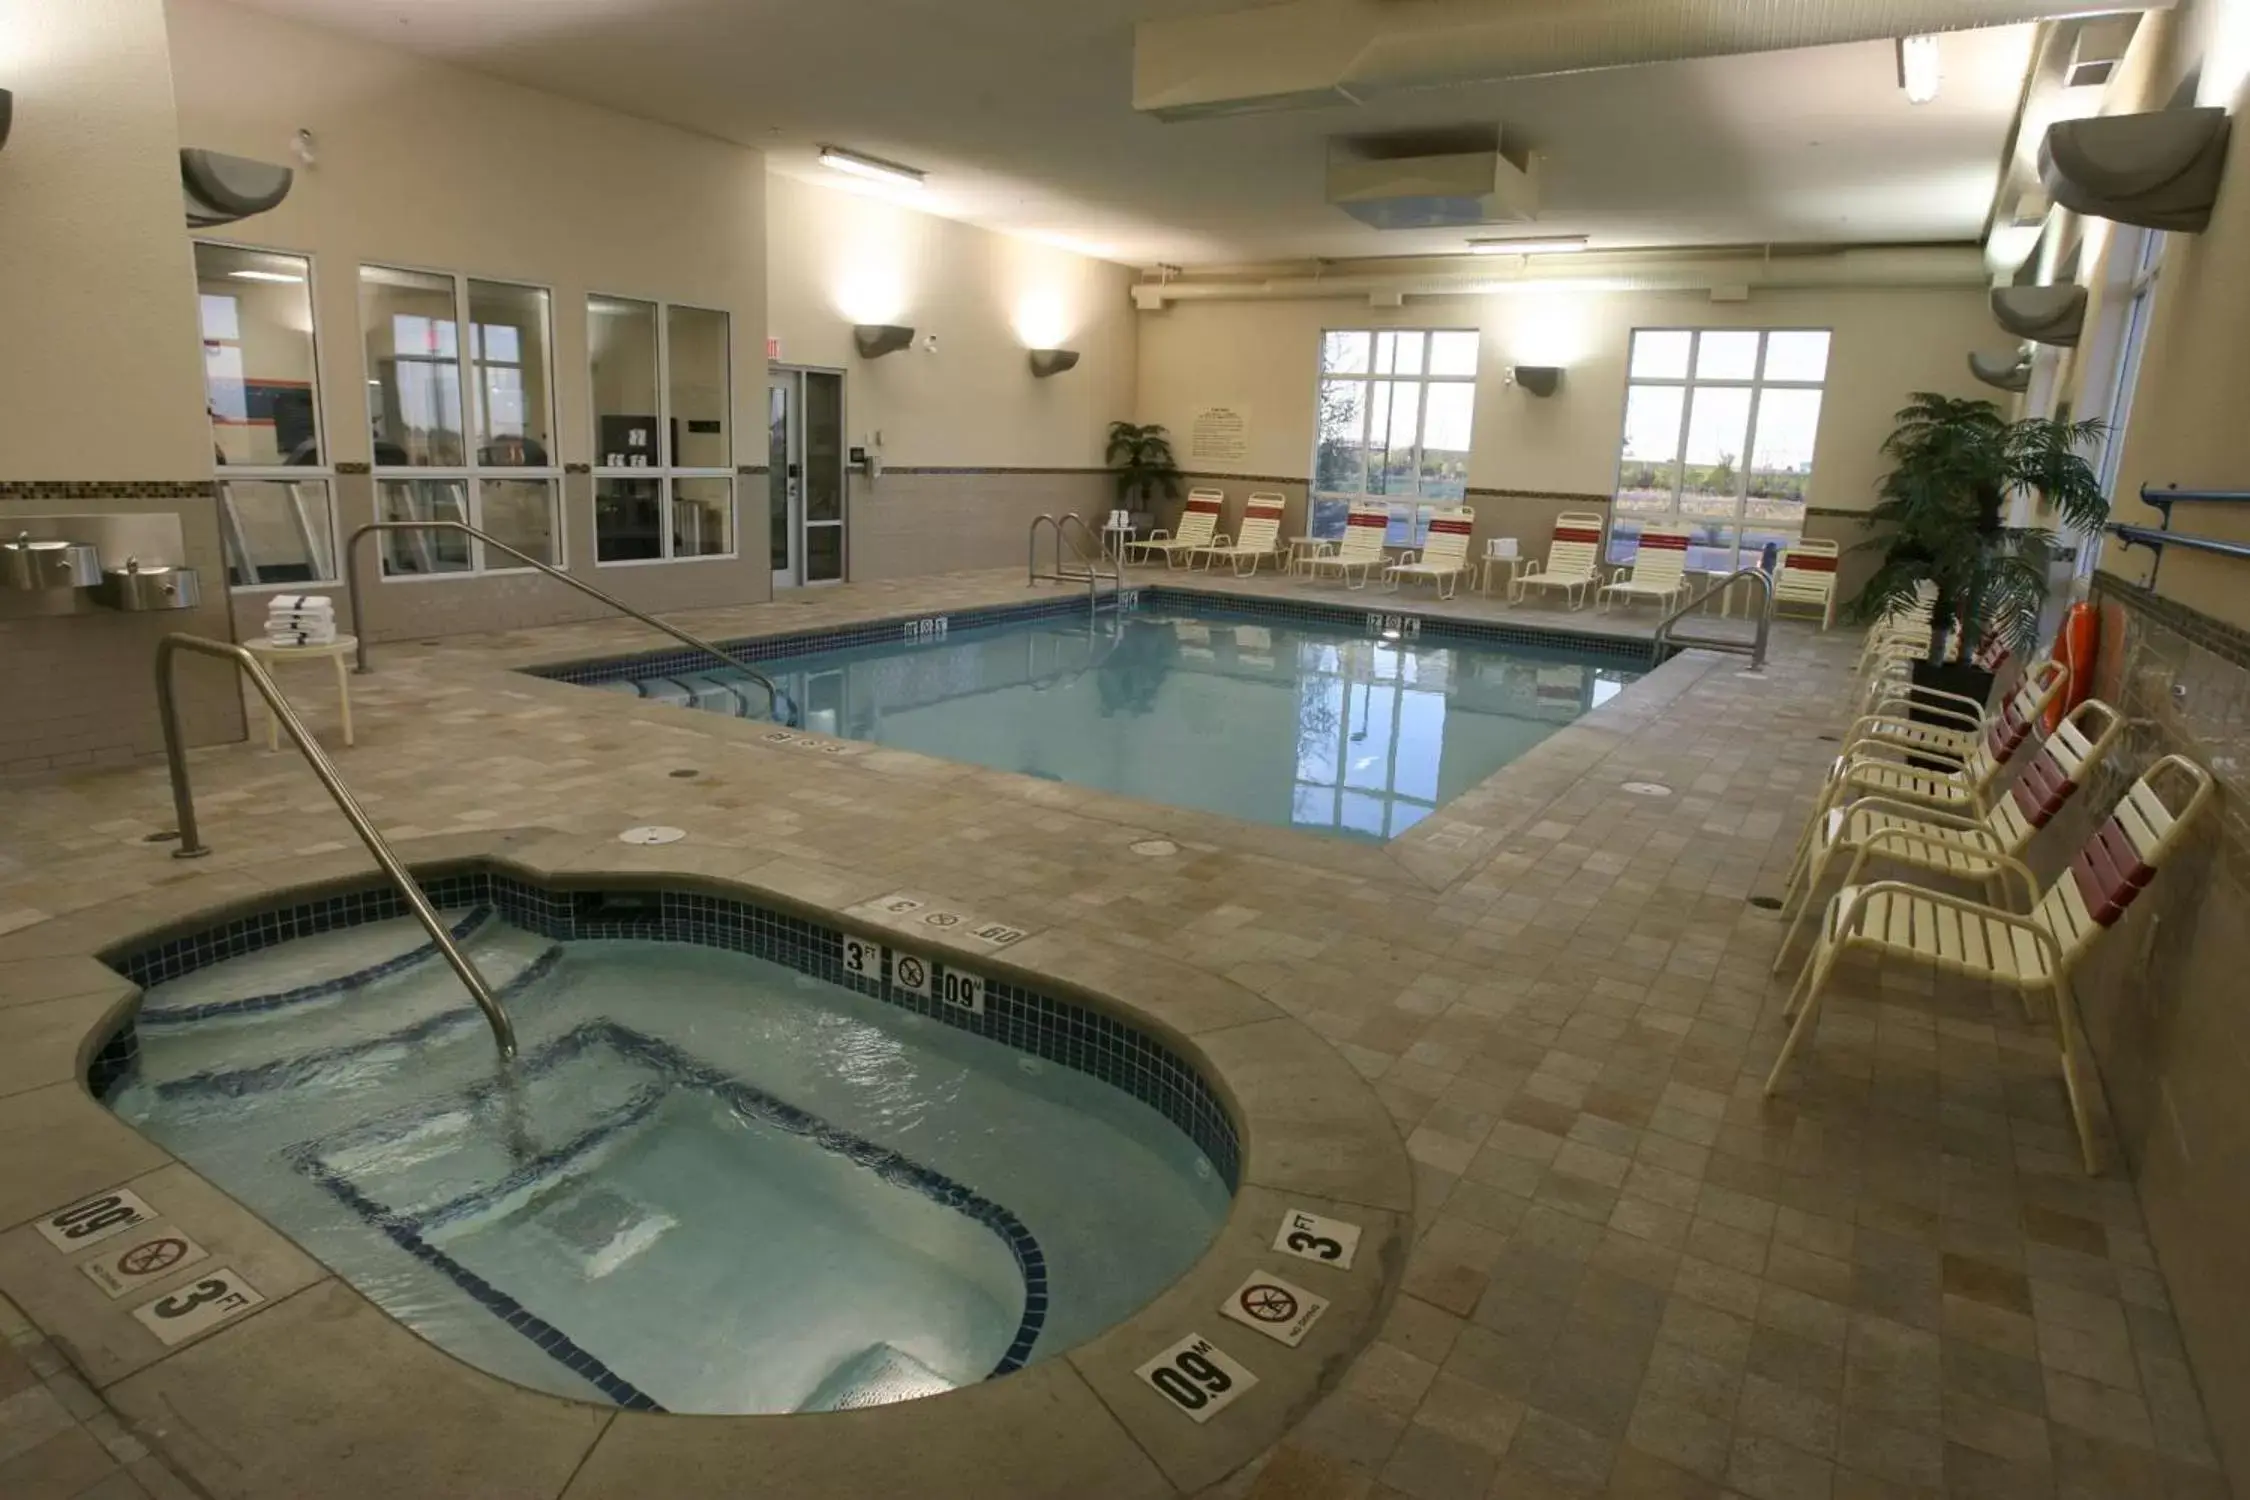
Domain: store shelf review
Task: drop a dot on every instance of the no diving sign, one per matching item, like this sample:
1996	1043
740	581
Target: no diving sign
1278	1309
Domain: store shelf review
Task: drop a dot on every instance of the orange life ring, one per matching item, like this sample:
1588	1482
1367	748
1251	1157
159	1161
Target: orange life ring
2075	644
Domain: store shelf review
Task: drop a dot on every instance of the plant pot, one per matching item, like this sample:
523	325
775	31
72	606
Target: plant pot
1963	677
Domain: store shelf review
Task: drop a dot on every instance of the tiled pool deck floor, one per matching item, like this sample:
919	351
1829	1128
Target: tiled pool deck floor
1632	1276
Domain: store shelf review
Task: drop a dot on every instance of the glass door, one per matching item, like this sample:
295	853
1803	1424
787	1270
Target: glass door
784	496
823	444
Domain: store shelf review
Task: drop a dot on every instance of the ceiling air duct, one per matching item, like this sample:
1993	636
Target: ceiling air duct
1399	183
2043	314
2159	170
1309	54
220	189
2006	372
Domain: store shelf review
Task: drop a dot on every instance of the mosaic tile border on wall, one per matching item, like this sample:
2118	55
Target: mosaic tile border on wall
108	489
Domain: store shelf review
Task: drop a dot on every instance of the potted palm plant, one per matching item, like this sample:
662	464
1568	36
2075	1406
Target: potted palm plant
1141	456
1943	510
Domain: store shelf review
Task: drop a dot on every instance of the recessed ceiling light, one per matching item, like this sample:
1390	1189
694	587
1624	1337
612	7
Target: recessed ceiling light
283	276
1544	244
874	168
1918	68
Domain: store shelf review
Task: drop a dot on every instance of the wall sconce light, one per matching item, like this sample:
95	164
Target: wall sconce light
878	339
7	113
1046	362
1540	380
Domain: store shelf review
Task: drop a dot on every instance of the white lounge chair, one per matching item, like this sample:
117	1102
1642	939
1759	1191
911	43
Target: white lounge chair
1659	568
1257	541
1573	559
2034	951
1445	553
1807	577
1362	547
1199	524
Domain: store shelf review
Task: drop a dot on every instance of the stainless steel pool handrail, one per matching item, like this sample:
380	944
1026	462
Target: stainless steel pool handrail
775	700
1756	650
193	847
1091	574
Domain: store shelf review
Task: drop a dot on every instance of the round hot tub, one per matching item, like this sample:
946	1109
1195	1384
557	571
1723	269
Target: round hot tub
744	1162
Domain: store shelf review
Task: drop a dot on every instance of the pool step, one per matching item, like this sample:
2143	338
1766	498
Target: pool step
302	970
876	1376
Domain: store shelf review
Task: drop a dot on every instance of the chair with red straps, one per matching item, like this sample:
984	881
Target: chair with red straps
1805	576
2028	951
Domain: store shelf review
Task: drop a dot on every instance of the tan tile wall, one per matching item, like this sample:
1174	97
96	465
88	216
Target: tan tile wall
910	523
2163	995
79	689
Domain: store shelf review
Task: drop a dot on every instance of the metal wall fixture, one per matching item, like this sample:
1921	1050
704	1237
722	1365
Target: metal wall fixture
1046	362
7	114
874	340
1539	380
142	586
32	563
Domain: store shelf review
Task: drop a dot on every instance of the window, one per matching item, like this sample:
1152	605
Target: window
1395	409
1719	429
261	391
489	464
2147	263
663	431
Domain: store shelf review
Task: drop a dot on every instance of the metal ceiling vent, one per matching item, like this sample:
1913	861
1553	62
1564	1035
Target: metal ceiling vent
220	189
1309	54
2043	314
2006	372
2158	170
1444	180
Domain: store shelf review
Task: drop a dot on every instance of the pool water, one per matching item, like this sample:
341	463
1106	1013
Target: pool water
710	1183
1296	725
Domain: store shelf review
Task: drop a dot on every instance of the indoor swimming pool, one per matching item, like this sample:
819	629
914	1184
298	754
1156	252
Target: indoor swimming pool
1357	727
713	1181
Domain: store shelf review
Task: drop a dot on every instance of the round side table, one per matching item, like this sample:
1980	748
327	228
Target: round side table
272	654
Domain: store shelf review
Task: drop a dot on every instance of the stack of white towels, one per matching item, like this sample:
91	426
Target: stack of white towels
301	620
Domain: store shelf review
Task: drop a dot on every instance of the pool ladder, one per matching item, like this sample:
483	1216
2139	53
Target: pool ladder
1085	567
1755	650
191	840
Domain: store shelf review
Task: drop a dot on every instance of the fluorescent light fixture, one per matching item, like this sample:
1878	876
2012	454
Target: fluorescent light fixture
873	168
1542	244
1918	68
283	276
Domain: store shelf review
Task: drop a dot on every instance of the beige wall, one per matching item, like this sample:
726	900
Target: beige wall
101	383
1261	357
422	165
840	258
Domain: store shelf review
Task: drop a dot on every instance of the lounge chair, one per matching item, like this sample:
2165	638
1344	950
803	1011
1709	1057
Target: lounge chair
1659	568
1362	547
2026	951
1807	576
1258	540
1445	553
1955	730
1198	525
1963	848
1574	558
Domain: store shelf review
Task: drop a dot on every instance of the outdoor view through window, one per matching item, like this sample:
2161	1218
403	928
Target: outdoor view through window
1395	410
1719	428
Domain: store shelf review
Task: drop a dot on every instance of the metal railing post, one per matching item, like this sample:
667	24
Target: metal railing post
193	847
774	699
1757	651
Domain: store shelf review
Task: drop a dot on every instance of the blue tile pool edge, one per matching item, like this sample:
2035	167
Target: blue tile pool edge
1027	1020
1395	615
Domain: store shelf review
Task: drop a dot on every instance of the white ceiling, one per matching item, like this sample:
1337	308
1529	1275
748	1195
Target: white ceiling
1020	110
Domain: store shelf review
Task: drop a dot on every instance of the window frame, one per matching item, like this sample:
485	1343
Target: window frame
1422	508
1688	384
666	473
324	472
471	475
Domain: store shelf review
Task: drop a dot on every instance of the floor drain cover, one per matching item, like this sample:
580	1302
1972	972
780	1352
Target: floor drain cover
1647	789
652	833
685	773
1156	847
1766	903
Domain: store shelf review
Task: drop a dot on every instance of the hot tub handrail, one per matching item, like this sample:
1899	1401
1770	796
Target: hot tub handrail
775	702
193	847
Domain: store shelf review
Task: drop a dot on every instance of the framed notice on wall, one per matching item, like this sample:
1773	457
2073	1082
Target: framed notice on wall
1219	435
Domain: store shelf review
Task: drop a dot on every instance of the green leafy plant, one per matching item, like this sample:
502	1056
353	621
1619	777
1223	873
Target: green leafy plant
1141	455
1943	509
